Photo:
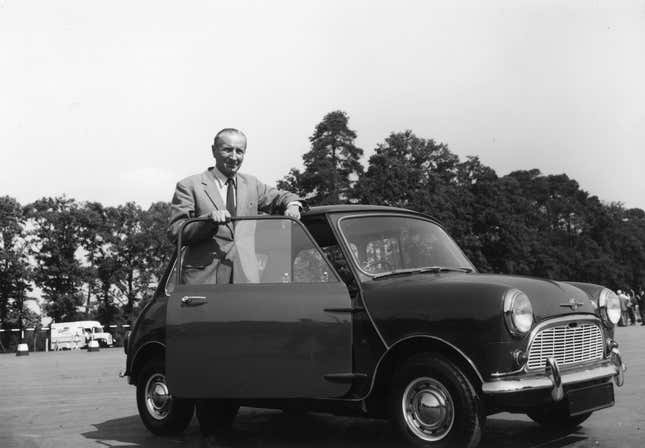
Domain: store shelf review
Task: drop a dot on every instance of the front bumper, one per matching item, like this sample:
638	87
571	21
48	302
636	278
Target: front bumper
554	380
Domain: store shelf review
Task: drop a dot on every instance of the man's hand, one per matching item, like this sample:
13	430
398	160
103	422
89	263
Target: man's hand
219	216
292	211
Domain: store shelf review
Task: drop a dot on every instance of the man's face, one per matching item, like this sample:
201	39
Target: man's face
229	153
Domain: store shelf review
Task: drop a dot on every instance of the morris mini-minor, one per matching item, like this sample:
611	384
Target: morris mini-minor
370	311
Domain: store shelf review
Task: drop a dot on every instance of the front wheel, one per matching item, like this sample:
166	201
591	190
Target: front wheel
433	404
160	412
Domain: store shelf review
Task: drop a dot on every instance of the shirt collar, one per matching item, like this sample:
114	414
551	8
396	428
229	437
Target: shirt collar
220	178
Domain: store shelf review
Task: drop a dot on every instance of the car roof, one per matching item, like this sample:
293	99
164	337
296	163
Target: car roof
78	323
352	208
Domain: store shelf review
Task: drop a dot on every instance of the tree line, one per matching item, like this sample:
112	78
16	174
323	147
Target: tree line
87	260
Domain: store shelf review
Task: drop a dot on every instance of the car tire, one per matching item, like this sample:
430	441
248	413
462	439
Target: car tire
557	417
456	417
160	412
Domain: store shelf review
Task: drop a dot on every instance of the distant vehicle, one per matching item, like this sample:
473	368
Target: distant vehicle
371	311
70	335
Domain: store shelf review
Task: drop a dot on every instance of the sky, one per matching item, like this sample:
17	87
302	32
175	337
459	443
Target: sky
116	101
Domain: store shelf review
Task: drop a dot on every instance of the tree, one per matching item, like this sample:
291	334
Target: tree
15	272
94	238
331	165
407	171
139	250
58	271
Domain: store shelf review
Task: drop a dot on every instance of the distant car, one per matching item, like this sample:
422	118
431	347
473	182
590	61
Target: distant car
372	311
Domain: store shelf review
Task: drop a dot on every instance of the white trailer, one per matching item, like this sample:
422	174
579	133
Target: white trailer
73	335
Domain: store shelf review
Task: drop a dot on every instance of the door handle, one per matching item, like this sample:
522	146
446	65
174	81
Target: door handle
193	300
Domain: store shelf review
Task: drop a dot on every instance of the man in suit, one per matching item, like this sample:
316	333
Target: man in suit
213	254
218	250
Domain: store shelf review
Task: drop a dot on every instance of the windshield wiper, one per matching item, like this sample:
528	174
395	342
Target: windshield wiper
437	269
430	269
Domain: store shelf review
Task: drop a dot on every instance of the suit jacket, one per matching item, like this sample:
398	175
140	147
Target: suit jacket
213	247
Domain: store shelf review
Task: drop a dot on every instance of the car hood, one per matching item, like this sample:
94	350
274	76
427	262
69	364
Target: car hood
549	298
459	295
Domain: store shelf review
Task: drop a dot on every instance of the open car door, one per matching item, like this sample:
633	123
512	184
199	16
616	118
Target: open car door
272	331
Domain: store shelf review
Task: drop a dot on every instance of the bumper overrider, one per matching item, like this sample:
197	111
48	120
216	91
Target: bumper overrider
554	380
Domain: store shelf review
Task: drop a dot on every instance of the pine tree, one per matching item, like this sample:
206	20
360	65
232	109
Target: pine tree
331	166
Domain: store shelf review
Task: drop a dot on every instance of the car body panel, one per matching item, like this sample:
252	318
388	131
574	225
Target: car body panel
259	340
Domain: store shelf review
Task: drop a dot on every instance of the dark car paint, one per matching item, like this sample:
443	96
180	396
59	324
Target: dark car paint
149	328
475	326
259	340
455	306
593	291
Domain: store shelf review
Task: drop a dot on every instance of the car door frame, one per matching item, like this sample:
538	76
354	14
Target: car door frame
321	322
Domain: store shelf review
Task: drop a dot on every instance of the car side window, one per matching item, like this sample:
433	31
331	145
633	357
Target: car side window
269	250
322	233
309	266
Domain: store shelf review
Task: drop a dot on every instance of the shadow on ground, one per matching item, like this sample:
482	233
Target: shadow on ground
500	432
262	428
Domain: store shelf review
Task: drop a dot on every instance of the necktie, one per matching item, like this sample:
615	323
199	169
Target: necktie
230	196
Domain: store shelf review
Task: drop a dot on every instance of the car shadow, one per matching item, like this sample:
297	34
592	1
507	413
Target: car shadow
502	432
268	428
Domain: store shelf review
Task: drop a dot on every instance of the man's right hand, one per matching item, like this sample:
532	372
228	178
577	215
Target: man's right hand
219	216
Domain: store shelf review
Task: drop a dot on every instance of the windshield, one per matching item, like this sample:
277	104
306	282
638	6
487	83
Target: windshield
390	244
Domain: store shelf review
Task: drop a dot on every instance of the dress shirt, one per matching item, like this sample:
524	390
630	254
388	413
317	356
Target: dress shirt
220	182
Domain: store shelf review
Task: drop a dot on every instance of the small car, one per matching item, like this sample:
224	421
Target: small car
369	311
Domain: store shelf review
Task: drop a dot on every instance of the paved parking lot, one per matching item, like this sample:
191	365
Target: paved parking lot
76	399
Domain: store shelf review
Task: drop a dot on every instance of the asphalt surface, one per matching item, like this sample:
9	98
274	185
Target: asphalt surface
76	399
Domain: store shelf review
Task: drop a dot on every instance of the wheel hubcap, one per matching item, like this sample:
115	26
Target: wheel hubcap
428	409
158	399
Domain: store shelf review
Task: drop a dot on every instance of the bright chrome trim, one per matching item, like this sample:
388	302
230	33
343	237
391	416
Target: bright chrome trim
553	372
545	324
618	362
510	296
428	409
538	381
571	345
157	398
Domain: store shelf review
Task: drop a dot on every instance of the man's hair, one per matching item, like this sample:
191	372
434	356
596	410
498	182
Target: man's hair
218	136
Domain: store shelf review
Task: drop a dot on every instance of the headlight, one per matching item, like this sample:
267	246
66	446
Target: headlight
609	305
518	312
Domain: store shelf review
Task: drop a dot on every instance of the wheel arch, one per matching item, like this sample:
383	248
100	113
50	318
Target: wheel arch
402	350
148	351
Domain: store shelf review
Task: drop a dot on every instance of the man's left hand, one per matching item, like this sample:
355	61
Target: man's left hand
293	211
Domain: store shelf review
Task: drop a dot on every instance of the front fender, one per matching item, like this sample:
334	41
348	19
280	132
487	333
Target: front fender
466	318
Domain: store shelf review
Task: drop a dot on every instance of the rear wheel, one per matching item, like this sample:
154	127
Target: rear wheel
160	412
433	404
557	417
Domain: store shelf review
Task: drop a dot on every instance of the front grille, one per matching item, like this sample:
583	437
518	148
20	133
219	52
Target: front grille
567	344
